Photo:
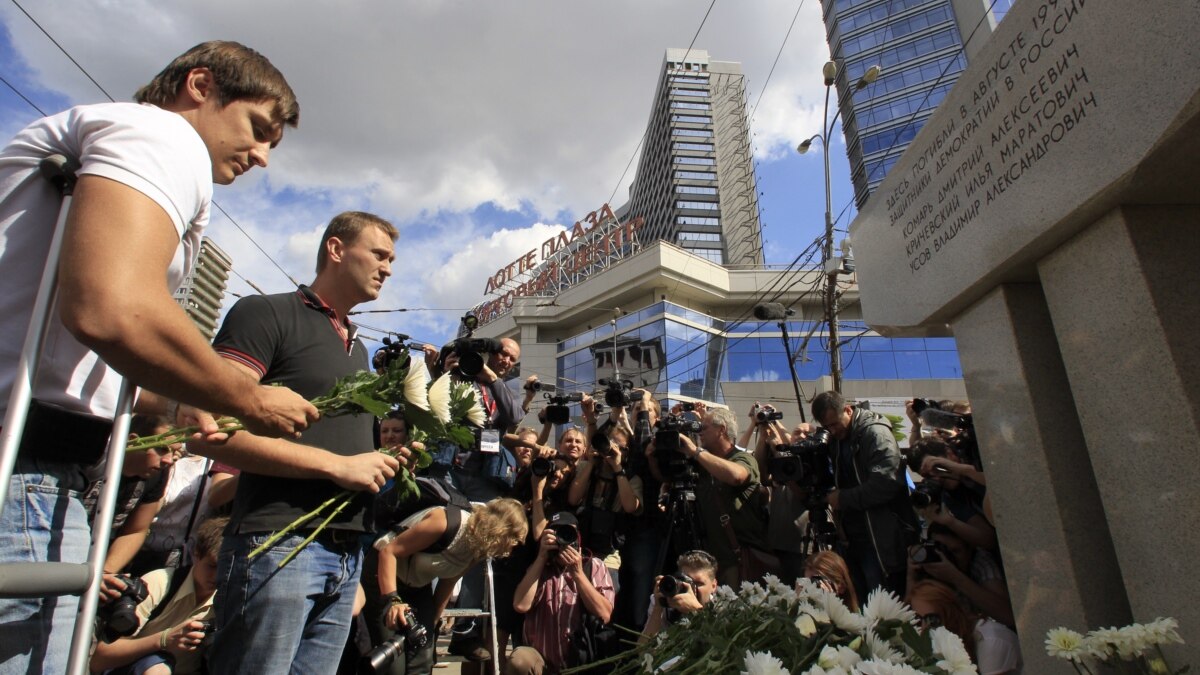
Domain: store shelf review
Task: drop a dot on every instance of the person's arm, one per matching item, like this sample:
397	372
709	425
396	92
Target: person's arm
729	473
508	408
285	459
222	488
931	464
527	588
413	540
441	597
583	477
744	439
132	536
181	639
993	600
976	531
627	492
529	393
127	315
593	600
658	615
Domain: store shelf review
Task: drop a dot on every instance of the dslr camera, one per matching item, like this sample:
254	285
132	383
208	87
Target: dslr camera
538	385
929	551
557	410
926	493
602	444
119	618
409	639
806	463
566	536
617	393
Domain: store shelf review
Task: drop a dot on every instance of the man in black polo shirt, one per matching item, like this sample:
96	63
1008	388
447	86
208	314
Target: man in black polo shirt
271	620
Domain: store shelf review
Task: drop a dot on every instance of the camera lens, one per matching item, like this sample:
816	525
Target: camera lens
541	466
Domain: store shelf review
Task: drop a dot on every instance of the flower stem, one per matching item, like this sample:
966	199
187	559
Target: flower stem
347	497
274	538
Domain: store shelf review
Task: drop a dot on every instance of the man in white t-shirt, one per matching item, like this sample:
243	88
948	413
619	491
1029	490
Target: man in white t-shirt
141	203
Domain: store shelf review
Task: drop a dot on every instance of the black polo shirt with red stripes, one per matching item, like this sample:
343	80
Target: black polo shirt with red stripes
295	340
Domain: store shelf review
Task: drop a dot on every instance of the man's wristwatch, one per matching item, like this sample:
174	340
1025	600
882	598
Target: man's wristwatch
620	472
698	451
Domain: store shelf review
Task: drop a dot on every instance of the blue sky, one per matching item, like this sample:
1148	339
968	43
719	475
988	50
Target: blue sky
479	130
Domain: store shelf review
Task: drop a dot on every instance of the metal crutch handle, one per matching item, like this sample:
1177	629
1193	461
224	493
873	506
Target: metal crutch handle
61	172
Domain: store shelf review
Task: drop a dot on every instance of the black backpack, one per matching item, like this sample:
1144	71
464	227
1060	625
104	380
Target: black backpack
391	509
595	640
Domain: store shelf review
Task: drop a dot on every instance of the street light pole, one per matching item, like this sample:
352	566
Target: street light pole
830	71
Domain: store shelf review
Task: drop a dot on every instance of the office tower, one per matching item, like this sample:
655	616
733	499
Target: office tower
203	291
920	46
695	182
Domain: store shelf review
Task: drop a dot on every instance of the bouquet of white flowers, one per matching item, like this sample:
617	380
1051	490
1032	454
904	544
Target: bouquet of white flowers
1136	648
772	629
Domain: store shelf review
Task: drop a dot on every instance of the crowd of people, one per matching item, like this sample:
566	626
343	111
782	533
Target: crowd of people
632	516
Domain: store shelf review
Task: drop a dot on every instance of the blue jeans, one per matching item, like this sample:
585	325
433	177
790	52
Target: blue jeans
289	620
43	520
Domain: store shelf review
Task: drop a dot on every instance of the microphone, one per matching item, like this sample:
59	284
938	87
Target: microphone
772	311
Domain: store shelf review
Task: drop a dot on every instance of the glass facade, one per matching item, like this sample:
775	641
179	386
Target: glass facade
676	351
919	45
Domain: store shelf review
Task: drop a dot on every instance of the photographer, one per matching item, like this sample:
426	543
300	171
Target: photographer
643	534
945	497
604	493
732	512
973	572
436	543
173	619
785	535
688	590
555	592
870	492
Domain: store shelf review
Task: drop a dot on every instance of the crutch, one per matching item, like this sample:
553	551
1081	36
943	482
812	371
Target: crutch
32	580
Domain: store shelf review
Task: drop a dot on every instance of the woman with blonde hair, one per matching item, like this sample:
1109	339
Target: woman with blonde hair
439	543
828	569
992	645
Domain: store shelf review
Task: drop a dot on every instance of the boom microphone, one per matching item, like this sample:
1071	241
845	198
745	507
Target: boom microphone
772	311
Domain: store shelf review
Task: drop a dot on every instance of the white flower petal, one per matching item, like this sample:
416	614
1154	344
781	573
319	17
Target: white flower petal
439	398
883	605
415	381
762	663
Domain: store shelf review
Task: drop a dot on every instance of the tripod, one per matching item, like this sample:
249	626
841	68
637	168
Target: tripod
820	533
684	531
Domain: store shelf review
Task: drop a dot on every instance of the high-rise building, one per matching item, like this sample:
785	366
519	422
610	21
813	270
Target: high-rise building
695	183
661	292
203	291
922	46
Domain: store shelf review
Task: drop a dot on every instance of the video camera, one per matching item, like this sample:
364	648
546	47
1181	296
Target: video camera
470	350
617	393
557	411
538	385
767	414
395	349
119	618
410	639
806	463
671	464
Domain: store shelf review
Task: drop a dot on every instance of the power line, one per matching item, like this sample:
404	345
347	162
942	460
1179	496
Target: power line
64	51
776	61
23	97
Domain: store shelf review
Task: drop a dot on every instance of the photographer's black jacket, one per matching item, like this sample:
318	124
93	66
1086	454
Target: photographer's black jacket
872	493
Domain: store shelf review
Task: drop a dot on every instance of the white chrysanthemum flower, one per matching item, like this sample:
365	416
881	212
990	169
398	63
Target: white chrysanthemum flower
840	657
648	663
475	414
439	398
806	625
1064	643
1164	631
806	589
883	605
415	381
1108	642
881	649
819	615
955	659
762	663
725	594
840	614
874	667
818	670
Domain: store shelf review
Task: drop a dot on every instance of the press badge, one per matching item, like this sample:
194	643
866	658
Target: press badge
489	441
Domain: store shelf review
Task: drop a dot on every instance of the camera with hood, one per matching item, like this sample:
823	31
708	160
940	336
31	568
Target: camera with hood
806	463
617	393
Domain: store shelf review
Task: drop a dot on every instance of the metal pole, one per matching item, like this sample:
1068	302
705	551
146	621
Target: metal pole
831	309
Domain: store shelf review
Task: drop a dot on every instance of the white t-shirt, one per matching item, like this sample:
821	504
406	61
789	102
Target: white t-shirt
155	152
997	649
